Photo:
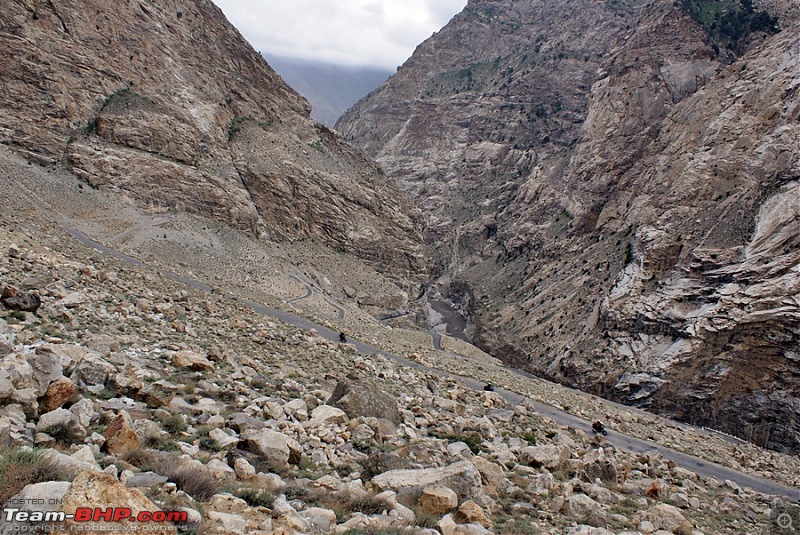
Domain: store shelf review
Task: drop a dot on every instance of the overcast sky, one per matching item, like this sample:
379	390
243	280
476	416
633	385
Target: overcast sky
380	33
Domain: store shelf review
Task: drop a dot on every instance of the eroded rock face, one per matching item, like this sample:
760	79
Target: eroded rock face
171	106
626	204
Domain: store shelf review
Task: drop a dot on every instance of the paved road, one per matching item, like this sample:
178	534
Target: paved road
307	288
309	292
622	441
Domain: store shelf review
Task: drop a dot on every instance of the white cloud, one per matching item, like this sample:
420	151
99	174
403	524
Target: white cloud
381	33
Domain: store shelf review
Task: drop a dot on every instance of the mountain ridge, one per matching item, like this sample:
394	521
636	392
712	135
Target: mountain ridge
591	193
170	105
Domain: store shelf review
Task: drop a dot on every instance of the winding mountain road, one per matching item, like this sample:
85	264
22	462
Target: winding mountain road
340	313
622	441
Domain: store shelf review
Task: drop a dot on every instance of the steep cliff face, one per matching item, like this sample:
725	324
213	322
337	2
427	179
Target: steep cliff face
635	235
501	89
166	102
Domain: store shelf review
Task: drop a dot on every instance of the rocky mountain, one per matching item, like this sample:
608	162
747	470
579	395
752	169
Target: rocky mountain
612	201
331	89
167	104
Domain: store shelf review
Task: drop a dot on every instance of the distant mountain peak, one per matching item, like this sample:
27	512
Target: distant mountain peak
330	88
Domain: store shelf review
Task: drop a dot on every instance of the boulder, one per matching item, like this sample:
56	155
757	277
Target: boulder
447	525
598	465
220	470
462	478
585	510
120	435
60	392
297	408
85	454
549	456
99	490
224	440
61	424
70	464
14	299
244	470
470	512
438	500
191	360
589	530
92	370
669	518
45	368
146	479
271	447
84	412
321	520
491	473
326	414
357	398
227	522
285	514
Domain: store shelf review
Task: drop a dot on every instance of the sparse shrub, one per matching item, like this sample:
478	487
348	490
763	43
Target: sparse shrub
174	423
343	469
425	520
20	467
364	446
236	126
520	527
162	444
108	392
628	253
529	437
196	483
227	396
367	506
255	497
208	443
143	459
377	531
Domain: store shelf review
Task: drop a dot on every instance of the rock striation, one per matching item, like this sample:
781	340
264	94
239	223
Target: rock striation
613	204
170	106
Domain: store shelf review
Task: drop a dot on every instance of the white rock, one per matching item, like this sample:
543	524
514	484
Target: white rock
271	446
229	523
297	408
223	439
220	469
244	470
328	415
84	412
462	477
320	519
447	525
549	456
86	455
